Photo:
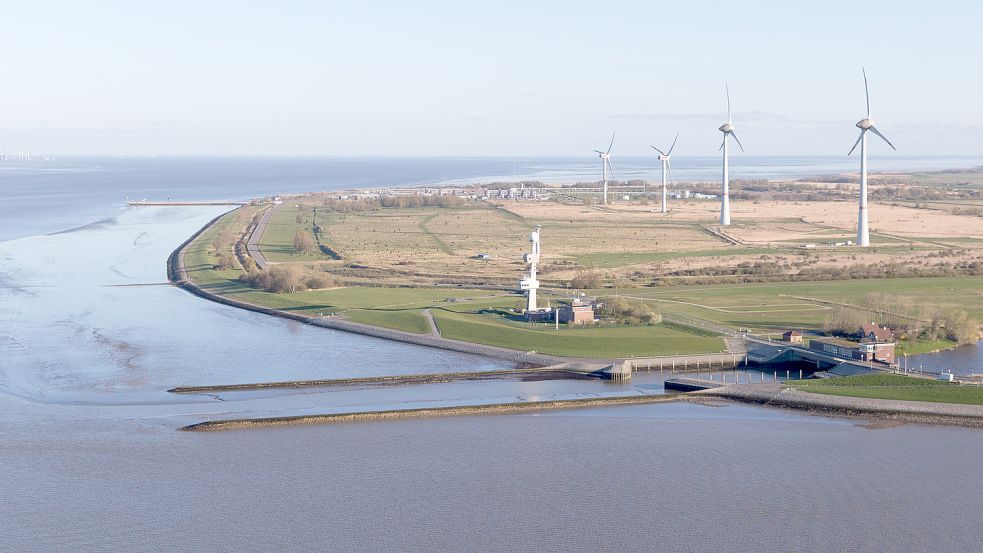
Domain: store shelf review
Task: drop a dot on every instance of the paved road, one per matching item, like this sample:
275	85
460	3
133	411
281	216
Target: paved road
252	246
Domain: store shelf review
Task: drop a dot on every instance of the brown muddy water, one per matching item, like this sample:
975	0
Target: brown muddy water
91	459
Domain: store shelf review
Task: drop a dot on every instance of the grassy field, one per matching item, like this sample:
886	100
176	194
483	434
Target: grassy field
779	306
916	346
277	243
441	241
887	386
637	341
620	259
420	245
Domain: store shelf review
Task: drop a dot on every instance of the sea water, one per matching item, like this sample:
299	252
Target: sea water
92	460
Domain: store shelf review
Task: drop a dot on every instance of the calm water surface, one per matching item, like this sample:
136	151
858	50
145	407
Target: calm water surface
91	460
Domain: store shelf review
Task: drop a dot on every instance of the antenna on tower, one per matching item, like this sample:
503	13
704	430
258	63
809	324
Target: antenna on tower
530	284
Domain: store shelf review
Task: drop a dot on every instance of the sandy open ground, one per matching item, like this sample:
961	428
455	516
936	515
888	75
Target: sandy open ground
633	240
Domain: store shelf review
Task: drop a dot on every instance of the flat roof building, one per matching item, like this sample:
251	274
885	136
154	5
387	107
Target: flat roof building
577	313
865	351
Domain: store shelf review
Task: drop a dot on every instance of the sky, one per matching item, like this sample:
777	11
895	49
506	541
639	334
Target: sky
504	78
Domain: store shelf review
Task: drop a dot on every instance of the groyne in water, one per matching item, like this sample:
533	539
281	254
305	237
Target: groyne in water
539	373
362	416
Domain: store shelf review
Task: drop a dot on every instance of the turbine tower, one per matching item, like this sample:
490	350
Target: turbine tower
728	130
605	165
865	124
664	158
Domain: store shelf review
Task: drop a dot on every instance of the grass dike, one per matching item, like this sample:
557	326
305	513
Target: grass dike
903	410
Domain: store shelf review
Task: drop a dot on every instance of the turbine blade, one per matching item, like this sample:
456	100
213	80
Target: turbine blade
610	168
612	142
878	133
658	150
727	88
857	142
673	144
866	90
598	152
669	167
722	143
734	134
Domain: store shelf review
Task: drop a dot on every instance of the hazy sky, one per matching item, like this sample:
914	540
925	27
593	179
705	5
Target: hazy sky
496	78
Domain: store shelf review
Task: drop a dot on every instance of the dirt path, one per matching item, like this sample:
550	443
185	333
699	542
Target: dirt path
434	331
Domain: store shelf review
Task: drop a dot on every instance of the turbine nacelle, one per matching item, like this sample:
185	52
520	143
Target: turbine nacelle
865	123
727	128
663	157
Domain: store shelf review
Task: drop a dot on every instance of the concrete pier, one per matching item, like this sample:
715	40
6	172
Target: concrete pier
687	384
619	372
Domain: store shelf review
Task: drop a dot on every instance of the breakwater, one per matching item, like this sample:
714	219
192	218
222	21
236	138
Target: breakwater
136	203
554	371
362	416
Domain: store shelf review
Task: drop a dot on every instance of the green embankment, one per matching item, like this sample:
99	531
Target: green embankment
411	320
889	386
918	345
629	341
201	256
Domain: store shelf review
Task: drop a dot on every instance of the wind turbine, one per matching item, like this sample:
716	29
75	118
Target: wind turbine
728	130
605	165
664	158
865	124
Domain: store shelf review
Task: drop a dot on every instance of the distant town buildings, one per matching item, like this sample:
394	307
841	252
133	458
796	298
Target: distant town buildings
686	194
517	194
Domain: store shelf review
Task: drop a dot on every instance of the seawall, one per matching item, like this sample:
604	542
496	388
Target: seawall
774	394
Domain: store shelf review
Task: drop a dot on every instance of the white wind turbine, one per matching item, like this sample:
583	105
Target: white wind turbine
605	165
728	130
865	124
664	158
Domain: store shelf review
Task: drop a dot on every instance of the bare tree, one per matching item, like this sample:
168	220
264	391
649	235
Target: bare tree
304	242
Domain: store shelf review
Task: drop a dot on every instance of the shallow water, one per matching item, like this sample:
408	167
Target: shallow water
84	319
961	360
674	477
